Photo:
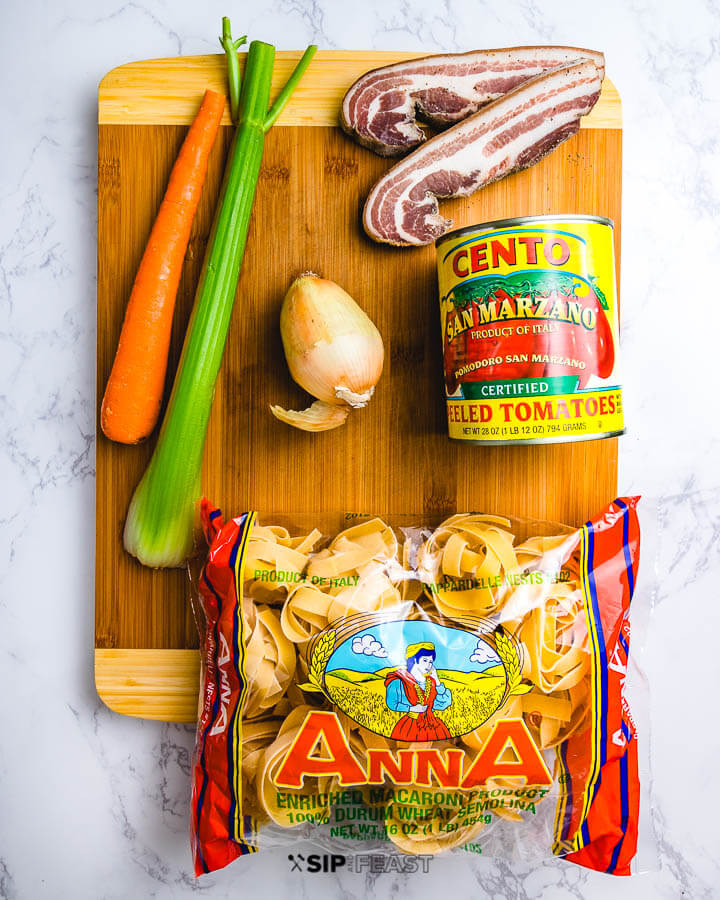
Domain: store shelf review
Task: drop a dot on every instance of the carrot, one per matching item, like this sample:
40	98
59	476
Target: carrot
133	395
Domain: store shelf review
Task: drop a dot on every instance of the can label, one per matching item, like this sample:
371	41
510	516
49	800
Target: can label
529	321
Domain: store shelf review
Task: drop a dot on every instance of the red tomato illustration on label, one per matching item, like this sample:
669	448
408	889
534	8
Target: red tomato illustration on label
569	348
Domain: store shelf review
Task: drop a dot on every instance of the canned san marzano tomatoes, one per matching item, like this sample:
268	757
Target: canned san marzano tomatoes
529	318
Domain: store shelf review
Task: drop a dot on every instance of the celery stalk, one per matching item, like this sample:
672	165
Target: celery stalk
160	520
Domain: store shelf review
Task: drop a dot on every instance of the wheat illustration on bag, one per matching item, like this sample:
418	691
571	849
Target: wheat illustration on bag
510	657
321	654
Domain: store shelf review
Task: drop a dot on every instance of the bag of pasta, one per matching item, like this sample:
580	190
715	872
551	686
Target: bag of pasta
421	688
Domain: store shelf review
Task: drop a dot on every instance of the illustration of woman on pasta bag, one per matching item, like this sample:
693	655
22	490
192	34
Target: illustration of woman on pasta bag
417	691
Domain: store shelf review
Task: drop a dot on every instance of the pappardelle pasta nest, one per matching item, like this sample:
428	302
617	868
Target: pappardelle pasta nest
418	688
295	585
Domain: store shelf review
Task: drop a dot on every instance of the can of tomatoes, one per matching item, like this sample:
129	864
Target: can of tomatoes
529	317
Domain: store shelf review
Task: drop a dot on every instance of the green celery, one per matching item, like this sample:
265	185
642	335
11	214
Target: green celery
160	520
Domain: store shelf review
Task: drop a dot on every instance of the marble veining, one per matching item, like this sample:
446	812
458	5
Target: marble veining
95	805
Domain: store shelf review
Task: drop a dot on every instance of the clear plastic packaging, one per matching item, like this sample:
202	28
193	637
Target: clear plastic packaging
453	686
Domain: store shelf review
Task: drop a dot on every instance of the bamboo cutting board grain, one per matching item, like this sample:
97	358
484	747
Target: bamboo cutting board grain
392	458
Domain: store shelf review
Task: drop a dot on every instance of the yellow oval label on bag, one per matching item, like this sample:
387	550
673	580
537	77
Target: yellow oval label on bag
415	680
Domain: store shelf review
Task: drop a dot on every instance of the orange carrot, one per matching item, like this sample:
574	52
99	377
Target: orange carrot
133	395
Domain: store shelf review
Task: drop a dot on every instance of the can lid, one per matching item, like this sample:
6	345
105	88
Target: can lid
522	220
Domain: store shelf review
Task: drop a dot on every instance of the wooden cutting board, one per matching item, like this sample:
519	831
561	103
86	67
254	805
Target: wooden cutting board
393	457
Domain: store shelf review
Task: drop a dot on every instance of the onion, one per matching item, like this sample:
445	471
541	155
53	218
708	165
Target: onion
332	349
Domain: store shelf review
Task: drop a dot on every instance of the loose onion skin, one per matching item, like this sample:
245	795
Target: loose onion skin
320	416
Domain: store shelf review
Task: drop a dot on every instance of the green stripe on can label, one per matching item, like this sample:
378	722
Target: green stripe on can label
520	387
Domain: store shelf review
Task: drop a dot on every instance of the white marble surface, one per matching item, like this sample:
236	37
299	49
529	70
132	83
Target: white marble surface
96	805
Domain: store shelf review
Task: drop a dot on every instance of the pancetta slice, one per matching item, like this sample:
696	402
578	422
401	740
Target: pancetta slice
510	134
380	109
